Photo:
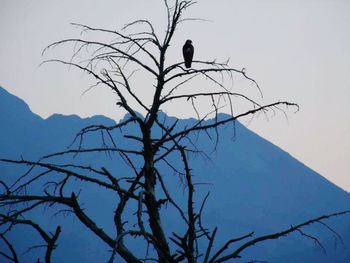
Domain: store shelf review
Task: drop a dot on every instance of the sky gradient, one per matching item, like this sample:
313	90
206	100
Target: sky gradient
297	50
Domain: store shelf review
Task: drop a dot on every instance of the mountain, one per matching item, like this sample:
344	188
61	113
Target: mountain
253	184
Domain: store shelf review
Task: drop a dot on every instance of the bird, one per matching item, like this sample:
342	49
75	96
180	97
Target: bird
187	51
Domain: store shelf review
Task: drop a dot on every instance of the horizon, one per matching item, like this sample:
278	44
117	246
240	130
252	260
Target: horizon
189	118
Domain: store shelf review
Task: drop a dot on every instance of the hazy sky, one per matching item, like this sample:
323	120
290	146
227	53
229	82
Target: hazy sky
297	51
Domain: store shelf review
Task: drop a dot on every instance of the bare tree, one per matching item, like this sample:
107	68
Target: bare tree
112	64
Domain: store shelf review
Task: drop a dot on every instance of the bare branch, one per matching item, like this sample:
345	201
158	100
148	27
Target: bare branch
99	45
14	257
277	235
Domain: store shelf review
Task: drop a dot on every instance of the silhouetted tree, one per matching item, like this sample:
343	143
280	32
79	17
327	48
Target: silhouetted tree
112	64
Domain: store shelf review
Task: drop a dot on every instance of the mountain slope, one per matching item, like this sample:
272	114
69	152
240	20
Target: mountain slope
254	186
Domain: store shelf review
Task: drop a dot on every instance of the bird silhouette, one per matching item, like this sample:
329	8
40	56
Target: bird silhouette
187	51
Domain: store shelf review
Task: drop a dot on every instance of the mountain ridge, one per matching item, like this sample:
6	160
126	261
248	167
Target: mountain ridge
254	184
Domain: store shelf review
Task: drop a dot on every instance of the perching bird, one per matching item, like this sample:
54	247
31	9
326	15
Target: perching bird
187	51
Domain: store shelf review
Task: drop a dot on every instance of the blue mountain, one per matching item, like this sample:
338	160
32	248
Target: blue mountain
253	184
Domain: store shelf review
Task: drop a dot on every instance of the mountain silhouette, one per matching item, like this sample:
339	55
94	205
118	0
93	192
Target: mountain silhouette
253	184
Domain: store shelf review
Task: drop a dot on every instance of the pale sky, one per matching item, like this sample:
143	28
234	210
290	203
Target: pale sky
297	51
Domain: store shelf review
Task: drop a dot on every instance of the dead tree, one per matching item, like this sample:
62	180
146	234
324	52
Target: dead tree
137	47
